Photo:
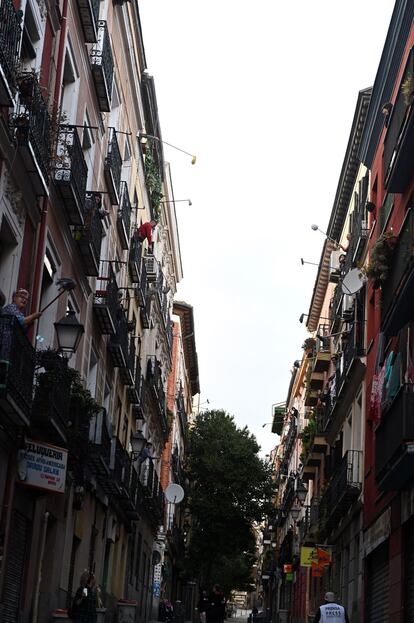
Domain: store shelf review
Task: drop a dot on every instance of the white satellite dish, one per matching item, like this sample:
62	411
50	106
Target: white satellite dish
353	281
174	493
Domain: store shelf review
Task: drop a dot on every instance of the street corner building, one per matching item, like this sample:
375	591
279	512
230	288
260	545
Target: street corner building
96	379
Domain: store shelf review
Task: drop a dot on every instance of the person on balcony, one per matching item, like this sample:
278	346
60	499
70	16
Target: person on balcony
16	307
144	232
331	611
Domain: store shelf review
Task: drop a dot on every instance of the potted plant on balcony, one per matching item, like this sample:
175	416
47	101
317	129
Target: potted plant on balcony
22	125
407	89
380	260
309	345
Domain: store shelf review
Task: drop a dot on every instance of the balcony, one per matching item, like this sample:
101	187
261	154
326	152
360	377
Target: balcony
106	304
343	489
145	309
118	343
89	236
135	392
32	131
123	220
177	467
181	412
10	35
70	174
100	439
289	439
155	382
126	372
51	404
398	160
113	169
17	364
360	231
135	260
322	353
394	448
89	14
102	66
397	302
336	308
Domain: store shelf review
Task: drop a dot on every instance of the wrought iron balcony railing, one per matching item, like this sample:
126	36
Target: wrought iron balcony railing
100	438
394	446
396	307
180	406
106	303
113	169
123	221
32	130
51	404
145	308
10	35
70	173
289	439
102	65
126	372
135	260
400	136
154	378
342	490
89	236
135	391
17	364
118	343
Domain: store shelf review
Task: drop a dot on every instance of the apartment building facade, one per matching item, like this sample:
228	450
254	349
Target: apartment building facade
320	467
388	483
81	167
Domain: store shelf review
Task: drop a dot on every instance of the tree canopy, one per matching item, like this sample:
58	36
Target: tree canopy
231	488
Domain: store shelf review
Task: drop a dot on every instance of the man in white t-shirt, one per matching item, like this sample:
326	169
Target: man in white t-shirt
331	612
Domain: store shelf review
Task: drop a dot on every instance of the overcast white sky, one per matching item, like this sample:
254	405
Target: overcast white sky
264	94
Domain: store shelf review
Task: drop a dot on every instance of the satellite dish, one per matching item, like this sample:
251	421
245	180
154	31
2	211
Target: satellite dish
174	493
353	281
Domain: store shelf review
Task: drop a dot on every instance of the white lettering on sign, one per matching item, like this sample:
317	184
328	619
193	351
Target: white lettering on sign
42	465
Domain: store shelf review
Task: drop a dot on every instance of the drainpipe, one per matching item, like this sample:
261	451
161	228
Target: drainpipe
39	569
38	271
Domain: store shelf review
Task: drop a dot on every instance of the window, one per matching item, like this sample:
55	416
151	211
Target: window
8	264
70	88
93	372
51	270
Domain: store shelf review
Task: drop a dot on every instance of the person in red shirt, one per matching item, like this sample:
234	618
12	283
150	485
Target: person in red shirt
144	232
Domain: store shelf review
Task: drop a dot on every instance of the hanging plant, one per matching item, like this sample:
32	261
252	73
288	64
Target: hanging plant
380	260
153	181
407	89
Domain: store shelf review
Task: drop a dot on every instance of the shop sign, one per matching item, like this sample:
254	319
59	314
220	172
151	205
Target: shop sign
378	532
317	570
42	465
307	556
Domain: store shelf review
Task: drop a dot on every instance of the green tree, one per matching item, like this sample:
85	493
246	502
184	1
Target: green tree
231	488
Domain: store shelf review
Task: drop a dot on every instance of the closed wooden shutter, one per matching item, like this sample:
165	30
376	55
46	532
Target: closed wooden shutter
377	603
15	566
409	574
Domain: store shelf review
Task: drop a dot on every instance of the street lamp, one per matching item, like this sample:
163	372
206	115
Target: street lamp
301	491
138	442
190	203
69	332
294	512
143	138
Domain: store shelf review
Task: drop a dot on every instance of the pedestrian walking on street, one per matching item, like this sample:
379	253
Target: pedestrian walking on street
217	606
86	600
252	616
203	606
331	611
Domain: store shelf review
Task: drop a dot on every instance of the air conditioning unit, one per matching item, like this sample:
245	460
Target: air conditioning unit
334	264
151	265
